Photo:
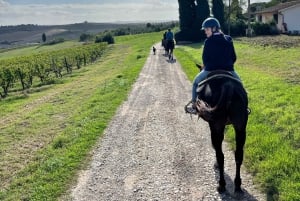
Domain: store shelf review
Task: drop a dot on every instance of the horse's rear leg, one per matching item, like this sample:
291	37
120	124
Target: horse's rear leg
240	138
217	136
171	54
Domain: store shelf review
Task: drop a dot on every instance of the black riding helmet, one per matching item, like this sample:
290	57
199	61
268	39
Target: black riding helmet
211	22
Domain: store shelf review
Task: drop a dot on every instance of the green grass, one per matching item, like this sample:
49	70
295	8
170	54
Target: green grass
37	49
46	136
271	77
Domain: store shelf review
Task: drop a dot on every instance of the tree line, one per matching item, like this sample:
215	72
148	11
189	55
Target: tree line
108	35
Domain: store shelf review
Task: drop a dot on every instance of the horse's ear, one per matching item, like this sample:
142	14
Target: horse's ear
199	66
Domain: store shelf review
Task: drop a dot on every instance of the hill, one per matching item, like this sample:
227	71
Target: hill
20	35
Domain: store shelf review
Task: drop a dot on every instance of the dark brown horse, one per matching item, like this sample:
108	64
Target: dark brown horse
169	46
223	101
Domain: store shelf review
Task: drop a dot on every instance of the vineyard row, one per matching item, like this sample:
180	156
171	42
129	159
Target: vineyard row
20	72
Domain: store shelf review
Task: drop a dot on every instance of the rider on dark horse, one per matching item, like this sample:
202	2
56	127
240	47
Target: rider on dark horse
170	40
218	54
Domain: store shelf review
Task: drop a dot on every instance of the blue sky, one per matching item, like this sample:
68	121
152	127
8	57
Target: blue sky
43	12
13	12
68	1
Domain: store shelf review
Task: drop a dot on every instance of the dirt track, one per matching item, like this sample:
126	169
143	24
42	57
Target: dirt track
152	150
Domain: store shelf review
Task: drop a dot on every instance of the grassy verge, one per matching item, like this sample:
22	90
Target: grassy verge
271	77
47	136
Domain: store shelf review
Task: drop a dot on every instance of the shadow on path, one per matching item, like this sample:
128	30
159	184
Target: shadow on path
229	194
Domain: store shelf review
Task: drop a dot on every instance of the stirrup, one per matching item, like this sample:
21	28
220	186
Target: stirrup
189	109
248	110
185	107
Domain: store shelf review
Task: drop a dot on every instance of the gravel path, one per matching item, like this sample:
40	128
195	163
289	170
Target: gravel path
152	150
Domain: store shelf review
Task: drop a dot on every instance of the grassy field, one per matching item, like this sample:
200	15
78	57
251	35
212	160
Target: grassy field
46	135
270	74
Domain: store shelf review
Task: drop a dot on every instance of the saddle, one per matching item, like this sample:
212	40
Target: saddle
205	88
217	74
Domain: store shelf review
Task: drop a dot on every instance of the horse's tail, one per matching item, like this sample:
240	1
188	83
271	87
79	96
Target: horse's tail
207	112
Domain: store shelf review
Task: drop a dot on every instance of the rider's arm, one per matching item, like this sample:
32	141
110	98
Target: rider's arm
206	53
233	55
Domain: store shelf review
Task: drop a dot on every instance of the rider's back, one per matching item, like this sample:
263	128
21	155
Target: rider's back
169	35
218	53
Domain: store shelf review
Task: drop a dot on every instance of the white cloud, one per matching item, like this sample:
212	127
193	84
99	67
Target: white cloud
3	4
71	13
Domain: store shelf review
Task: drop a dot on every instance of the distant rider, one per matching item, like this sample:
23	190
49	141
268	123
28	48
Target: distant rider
169	35
170	40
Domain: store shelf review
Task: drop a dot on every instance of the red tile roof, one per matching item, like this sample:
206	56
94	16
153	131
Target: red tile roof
279	6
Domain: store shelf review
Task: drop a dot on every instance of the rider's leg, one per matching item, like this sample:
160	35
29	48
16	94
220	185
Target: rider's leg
172	48
200	77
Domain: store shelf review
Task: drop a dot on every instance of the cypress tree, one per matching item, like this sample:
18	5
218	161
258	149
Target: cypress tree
218	11
44	37
203	12
191	15
185	14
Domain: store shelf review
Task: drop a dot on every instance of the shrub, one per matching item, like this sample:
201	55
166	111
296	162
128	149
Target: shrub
189	35
265	28
55	41
107	37
237	28
85	37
